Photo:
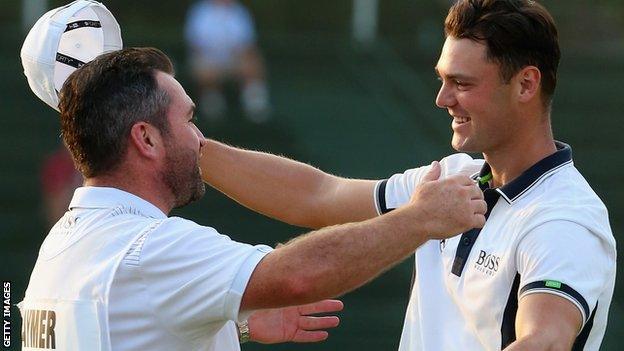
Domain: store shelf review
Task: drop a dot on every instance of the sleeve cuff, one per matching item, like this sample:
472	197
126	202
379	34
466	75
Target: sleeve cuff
239	284
380	197
560	289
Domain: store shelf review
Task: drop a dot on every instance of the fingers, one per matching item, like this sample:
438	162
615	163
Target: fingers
453	205
308	330
315	323
309	327
480	206
478	220
324	306
434	172
475	192
310	336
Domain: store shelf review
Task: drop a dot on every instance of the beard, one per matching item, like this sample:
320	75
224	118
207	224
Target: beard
182	176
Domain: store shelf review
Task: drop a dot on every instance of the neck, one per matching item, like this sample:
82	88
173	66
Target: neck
148	189
508	162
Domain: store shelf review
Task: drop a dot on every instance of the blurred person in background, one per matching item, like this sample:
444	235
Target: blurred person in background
59	178
222	46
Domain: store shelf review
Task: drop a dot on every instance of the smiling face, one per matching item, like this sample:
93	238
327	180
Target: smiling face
183	143
474	94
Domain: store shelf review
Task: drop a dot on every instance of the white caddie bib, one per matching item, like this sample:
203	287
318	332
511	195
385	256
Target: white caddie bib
66	303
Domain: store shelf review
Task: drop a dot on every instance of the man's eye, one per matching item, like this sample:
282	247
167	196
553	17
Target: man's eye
461	85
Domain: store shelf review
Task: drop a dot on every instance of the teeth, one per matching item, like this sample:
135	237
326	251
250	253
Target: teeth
461	119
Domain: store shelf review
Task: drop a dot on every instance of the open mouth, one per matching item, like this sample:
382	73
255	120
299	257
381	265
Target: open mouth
460	120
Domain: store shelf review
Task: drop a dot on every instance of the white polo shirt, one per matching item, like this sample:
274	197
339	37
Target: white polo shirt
153	282
546	232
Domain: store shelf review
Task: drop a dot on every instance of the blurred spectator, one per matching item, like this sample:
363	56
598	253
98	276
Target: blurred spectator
59	179
221	38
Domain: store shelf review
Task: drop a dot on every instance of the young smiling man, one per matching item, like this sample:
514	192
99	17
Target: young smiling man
540	274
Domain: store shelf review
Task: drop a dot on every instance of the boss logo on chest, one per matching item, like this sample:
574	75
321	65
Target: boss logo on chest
487	263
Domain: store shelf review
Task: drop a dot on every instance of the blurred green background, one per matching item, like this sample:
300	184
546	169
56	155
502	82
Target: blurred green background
353	110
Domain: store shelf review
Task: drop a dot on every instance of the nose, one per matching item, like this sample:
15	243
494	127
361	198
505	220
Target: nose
445	98
200	136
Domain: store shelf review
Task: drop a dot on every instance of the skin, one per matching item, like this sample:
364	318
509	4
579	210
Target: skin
294	324
162	167
505	120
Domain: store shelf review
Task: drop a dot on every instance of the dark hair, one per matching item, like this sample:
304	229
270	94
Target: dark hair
518	33
100	102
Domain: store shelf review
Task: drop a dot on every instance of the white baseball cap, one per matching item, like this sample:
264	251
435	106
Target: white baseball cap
63	40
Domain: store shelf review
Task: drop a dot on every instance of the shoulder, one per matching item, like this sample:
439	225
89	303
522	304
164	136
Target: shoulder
566	197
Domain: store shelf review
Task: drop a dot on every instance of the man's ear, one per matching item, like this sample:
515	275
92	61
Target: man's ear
529	81
147	139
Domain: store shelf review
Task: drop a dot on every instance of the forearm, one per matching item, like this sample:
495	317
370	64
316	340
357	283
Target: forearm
290	191
332	261
537	343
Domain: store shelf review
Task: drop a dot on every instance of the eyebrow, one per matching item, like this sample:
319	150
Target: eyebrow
457	76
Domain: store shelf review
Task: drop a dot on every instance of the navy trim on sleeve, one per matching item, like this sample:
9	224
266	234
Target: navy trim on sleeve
508	325
381	197
581	339
553	285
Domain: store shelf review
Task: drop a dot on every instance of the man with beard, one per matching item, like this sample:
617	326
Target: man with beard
116	273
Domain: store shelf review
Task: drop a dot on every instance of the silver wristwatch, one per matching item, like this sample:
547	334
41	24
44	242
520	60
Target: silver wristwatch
243	331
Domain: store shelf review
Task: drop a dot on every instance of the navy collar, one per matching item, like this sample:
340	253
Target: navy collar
529	178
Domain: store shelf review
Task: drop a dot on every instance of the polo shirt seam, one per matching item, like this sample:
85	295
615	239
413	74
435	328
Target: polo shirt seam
153	310
254	251
111	279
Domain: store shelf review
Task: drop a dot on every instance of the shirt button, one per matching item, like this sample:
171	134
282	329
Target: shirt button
466	241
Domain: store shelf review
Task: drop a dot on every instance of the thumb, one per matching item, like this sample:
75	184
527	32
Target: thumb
434	172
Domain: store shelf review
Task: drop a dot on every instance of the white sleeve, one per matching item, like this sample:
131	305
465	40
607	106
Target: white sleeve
194	276
396	191
566	259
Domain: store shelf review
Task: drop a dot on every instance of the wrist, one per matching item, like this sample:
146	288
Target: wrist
413	220
242	329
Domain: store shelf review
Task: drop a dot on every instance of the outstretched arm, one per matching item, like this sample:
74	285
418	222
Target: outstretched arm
334	260
545	322
287	190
